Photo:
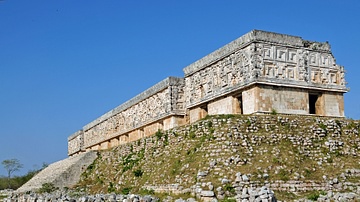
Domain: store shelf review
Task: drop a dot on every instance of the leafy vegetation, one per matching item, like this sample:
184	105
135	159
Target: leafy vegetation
138	173
278	152
16	181
47	188
126	190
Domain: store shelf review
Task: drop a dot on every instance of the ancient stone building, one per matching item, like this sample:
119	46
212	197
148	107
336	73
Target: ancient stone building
260	72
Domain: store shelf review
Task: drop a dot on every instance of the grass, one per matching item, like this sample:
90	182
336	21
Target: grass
165	160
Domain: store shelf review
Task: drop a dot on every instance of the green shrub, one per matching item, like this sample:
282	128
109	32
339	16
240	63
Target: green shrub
192	134
159	134
276	161
166	141
283	174
313	196
146	192
307	172
90	167
47	188
111	188
229	188
138	173
209	124
126	190
322	126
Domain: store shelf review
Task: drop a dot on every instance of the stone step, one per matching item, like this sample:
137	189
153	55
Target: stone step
64	173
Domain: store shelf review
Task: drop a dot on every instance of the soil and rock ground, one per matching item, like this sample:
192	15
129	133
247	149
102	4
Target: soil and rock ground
235	158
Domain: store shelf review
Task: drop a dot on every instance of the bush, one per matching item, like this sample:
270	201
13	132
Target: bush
126	190
47	188
314	196
138	173
111	188
283	174
159	134
192	134
16	181
146	192
229	188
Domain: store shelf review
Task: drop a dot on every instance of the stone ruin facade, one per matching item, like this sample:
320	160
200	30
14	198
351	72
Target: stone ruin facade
260	72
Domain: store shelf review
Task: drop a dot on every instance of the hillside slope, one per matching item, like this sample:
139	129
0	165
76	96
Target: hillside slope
292	155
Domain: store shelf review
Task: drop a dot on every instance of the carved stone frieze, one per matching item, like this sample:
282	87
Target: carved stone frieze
160	104
298	63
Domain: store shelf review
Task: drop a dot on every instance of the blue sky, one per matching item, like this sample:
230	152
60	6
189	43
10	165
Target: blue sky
64	63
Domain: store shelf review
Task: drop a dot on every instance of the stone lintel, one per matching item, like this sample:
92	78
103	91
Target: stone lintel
170	81
250	37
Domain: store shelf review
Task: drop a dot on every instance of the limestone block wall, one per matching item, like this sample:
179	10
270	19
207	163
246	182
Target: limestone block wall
228	105
197	114
76	142
334	104
282	100
249	99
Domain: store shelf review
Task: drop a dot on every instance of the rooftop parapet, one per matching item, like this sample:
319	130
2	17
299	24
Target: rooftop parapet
74	135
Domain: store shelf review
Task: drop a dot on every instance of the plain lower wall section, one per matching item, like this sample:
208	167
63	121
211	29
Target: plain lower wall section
273	99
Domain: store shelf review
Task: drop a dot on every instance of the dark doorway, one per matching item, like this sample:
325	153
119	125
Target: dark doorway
240	104
312	103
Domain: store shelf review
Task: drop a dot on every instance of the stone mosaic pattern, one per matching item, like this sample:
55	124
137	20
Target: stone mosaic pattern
161	100
262	57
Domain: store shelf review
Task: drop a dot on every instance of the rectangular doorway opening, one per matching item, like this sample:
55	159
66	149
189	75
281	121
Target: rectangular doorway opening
313	98
240	101
204	111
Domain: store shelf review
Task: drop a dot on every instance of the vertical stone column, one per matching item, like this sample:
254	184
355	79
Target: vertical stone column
114	142
197	114
123	139
250	100
105	145
228	105
173	122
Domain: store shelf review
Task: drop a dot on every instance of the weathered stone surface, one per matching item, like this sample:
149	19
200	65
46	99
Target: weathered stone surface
258	72
207	193
64	173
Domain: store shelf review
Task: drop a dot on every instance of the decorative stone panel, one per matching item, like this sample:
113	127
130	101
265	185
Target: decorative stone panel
262	57
163	100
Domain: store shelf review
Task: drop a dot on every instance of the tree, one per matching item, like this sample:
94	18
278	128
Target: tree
11	165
